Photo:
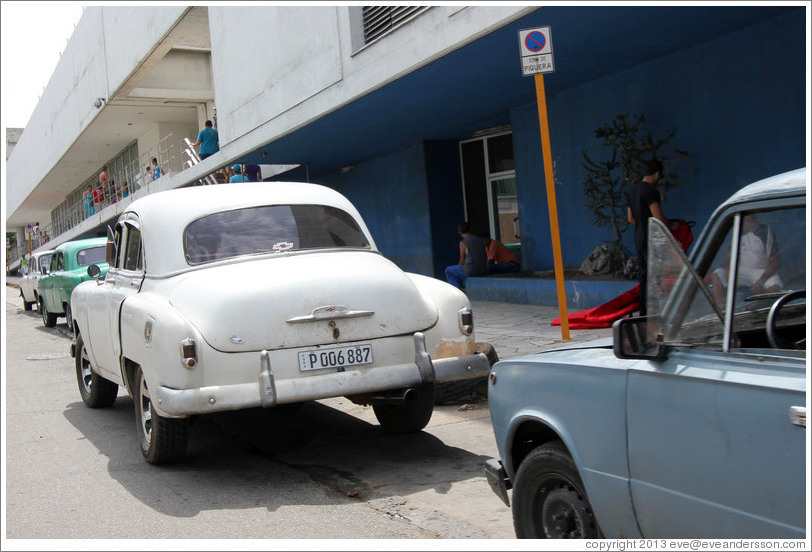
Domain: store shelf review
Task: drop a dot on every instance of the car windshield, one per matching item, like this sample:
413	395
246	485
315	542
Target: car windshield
270	229
91	255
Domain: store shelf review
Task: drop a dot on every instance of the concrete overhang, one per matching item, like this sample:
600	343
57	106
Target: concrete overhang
167	87
476	86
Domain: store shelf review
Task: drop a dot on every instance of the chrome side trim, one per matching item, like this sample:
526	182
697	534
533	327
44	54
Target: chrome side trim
797	415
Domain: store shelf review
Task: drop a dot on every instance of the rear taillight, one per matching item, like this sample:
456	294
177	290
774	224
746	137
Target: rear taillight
466	317
188	353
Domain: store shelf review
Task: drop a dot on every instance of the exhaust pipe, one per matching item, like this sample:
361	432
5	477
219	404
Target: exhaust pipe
396	396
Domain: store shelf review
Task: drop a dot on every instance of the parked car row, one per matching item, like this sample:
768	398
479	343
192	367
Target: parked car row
50	276
688	423
35	266
66	269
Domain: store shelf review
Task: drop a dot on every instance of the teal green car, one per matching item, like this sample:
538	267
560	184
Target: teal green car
68	268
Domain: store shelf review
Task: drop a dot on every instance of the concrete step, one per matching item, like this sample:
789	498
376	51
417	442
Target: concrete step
582	294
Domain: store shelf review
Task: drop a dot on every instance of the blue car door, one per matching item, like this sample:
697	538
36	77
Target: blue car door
717	448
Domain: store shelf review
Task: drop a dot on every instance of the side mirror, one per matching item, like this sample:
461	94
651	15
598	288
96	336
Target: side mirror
637	338
94	272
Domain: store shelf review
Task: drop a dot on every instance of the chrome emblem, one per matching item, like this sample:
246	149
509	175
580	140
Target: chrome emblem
236	340
282	246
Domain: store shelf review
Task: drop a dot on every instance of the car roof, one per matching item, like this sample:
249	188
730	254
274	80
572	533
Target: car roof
791	183
76	245
164	216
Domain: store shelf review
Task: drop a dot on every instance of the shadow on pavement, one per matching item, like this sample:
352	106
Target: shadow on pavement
261	458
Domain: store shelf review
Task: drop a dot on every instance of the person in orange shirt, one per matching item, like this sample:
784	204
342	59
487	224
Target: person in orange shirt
500	258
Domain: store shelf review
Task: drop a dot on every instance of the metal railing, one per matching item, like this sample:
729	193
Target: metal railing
79	206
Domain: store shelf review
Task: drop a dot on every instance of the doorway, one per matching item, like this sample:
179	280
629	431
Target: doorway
489	188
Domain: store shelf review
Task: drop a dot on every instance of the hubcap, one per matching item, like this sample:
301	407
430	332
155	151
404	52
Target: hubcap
564	514
87	373
146	411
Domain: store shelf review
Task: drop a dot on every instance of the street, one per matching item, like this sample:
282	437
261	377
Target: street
324	472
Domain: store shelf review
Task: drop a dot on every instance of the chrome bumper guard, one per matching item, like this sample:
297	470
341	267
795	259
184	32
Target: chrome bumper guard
268	392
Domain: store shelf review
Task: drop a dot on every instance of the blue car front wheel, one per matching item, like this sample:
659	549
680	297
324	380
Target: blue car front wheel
549	501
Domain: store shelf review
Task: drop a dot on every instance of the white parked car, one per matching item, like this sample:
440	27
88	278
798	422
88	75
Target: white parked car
246	295
36	265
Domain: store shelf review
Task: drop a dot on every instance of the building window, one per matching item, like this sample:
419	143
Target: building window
379	20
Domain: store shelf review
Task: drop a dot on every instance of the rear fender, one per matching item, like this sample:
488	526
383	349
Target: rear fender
446	337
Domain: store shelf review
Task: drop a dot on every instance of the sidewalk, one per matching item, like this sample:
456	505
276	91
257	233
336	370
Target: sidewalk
513	329
516	329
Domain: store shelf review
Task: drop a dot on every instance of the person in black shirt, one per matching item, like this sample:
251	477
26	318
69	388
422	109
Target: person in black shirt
644	202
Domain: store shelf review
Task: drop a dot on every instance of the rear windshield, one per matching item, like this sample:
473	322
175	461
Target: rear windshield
92	255
270	229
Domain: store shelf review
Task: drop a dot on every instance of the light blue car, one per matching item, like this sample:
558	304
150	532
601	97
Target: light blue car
689	423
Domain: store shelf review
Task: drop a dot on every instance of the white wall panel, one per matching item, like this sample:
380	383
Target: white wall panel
266	60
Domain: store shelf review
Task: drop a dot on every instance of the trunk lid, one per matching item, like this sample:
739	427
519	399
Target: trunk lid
302	300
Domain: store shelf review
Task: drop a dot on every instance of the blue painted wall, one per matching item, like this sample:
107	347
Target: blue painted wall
412	203
444	182
738	105
391	194
739	111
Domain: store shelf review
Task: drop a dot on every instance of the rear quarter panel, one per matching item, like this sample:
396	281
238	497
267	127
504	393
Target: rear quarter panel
445	339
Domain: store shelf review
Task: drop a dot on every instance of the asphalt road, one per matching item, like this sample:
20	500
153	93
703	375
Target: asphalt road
325	472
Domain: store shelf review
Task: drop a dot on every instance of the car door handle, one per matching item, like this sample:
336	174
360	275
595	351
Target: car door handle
134	283
797	415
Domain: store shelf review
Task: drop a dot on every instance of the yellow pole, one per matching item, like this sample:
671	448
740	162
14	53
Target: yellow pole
552	206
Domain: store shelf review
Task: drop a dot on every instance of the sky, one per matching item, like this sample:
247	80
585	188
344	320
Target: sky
34	35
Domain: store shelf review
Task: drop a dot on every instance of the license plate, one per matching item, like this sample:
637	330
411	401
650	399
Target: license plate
335	357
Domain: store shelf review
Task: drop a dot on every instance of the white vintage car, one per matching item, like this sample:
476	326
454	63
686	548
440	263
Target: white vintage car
246	295
36	265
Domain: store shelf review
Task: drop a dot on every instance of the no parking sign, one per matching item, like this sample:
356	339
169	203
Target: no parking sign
536	47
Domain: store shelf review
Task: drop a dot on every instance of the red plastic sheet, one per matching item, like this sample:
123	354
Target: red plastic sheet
626	303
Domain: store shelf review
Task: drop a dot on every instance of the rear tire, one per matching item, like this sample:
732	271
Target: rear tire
409	416
162	440
69	317
96	391
47	318
549	500
470	389
26	305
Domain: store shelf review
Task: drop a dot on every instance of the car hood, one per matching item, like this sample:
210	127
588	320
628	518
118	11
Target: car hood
302	300
601	343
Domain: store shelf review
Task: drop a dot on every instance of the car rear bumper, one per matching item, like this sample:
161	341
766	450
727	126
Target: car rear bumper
268	391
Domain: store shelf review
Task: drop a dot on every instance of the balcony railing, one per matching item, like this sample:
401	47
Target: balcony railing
76	208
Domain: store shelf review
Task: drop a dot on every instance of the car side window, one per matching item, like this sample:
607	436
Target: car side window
771	263
118	238
769	250
132	249
60	261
